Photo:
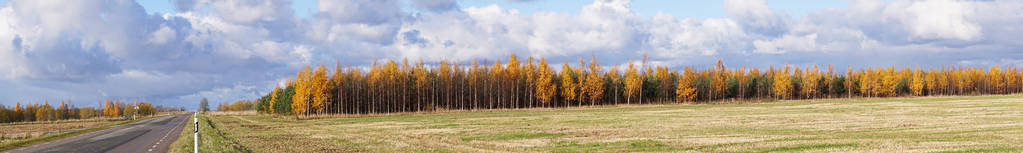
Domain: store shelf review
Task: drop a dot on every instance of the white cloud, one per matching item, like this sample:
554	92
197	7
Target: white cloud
162	35
936	19
756	16
786	43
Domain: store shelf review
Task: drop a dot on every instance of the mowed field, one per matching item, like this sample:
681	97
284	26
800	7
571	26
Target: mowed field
923	124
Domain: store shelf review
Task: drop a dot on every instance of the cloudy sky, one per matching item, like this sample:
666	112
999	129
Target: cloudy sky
175	52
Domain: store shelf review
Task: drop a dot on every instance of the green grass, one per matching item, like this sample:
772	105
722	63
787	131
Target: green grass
617	146
210	138
990	123
802	147
511	136
31	141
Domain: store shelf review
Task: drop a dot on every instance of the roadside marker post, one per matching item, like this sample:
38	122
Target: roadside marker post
196	131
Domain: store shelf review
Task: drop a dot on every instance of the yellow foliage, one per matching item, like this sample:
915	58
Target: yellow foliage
685	90
783	84
545	88
568	84
633	82
300	101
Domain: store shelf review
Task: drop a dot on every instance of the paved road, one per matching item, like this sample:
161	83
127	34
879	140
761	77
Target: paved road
153	135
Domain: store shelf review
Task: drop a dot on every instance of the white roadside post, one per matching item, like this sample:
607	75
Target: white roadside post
196	119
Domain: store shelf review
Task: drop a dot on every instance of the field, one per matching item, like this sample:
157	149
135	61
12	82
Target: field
923	124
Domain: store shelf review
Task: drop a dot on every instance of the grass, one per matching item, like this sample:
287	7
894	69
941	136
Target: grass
210	139
18	143
992	123
42	127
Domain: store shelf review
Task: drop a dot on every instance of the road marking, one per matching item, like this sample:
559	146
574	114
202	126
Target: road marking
165	136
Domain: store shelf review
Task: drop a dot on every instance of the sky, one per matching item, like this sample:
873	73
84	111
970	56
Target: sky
175	52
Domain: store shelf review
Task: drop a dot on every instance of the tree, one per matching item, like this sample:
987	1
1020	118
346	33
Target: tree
337	82
129	109
594	82
45	113
916	83
996	80
274	95
782	84
685	90
545	87
62	111
718	85
300	101
809	82
320	86
285	98
568	83
422	82
850	84
18	112
633	82
513	73
889	83
204	105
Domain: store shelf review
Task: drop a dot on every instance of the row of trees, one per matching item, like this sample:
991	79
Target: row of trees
240	105
45	112
407	87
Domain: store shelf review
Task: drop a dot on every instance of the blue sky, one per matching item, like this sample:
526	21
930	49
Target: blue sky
226	50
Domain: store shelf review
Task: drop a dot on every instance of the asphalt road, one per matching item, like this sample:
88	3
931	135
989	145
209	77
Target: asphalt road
153	135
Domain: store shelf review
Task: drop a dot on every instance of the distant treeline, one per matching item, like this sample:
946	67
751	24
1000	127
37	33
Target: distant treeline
407	87
64	111
241	105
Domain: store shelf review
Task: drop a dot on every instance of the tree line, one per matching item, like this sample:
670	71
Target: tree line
240	105
65	111
410	87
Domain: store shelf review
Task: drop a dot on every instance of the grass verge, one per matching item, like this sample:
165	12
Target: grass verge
210	139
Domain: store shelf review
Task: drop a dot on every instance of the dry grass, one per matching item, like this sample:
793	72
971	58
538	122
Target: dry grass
925	124
36	129
229	113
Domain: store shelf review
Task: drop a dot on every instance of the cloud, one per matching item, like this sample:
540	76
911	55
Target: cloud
756	17
786	43
936	19
436	5
89	50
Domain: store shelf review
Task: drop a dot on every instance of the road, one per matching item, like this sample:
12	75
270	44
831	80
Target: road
153	135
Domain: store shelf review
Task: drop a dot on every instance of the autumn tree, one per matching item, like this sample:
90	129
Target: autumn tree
545	87
62	111
719	82
300	102
916	83
45	113
594	85
783	84
995	79
809	82
319	83
568	83
888	85
850	81
633	82
685	90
